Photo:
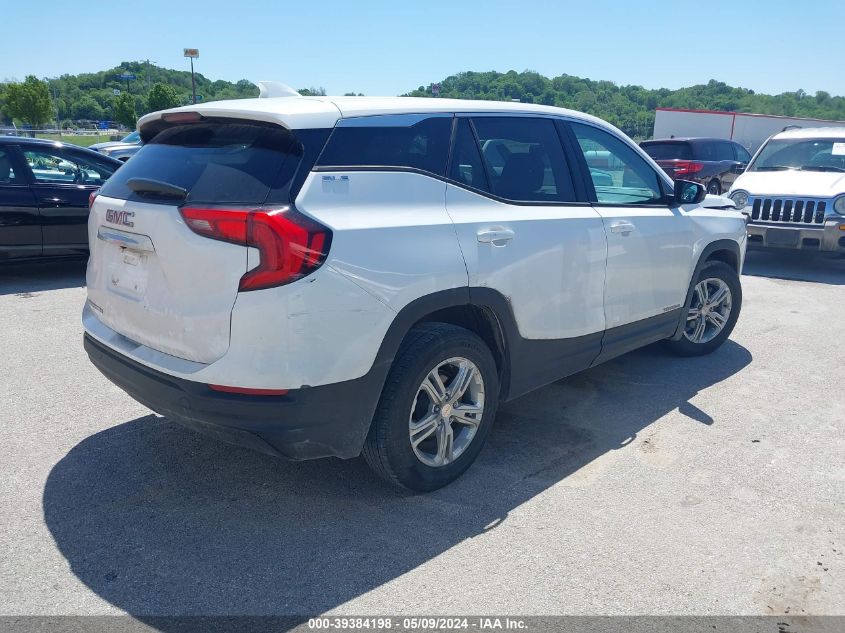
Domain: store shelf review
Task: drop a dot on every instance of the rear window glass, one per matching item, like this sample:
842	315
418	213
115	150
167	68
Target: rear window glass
220	161
424	145
668	151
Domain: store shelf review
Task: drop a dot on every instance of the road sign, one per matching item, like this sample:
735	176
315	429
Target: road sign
435	89
192	52
116	92
199	97
126	77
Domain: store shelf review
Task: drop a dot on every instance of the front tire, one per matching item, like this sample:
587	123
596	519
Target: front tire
714	306
436	409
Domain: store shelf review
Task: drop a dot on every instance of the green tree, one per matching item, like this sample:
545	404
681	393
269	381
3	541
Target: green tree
124	110
163	97
29	101
3	115
86	108
312	92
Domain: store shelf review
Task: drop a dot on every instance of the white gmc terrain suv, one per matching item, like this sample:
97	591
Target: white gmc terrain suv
320	276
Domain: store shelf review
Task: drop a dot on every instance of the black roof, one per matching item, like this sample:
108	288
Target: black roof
41	142
687	139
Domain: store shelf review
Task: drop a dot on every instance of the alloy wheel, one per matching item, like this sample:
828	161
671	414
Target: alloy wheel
446	412
709	310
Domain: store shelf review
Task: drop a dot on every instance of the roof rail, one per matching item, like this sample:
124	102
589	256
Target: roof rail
269	89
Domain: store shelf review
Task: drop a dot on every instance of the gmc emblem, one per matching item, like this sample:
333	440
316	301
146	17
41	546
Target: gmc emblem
120	217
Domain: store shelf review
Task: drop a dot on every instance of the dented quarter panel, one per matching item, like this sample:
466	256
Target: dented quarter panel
391	233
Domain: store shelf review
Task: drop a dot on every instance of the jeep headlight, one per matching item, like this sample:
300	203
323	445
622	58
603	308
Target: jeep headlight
839	205
740	199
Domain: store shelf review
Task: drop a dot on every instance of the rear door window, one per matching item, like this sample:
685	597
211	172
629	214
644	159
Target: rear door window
390	141
467	167
724	151
524	159
221	161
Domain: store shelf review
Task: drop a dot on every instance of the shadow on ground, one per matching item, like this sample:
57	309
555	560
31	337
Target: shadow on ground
823	268
159	521
35	277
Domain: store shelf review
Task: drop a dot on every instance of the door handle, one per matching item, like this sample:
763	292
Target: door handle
621	227
496	237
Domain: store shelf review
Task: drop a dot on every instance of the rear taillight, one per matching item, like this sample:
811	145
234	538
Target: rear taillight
91	197
290	244
686	167
182	117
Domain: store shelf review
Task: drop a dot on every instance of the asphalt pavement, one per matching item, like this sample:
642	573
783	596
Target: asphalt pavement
650	485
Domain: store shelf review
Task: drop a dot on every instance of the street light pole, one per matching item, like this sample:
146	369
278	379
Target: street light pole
191	53
193	83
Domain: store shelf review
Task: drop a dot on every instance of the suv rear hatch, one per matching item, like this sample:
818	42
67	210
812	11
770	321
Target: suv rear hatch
154	276
674	157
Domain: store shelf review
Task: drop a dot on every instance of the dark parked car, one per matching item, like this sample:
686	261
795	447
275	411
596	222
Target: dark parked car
712	162
44	189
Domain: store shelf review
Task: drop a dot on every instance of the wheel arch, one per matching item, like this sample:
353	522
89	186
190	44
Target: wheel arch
725	251
481	320
718	181
483	311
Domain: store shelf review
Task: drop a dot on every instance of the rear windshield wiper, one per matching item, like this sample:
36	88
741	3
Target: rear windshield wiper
156	188
822	168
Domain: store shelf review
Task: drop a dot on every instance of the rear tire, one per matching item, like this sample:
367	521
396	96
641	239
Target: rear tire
712	312
422	404
714	187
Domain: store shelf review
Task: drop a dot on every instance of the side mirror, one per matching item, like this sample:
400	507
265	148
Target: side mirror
738	168
687	192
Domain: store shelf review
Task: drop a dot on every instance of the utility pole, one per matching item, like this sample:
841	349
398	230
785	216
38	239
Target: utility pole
148	62
192	53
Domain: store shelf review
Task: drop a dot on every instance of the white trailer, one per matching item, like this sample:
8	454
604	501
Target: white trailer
749	130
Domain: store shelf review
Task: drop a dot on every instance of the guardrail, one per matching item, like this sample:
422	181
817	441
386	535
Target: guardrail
11	131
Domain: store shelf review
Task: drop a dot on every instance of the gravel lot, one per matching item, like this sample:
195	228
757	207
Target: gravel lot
650	485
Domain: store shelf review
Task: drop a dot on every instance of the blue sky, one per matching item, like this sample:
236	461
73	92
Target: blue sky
392	47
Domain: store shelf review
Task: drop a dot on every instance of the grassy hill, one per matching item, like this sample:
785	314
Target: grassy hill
90	96
631	108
